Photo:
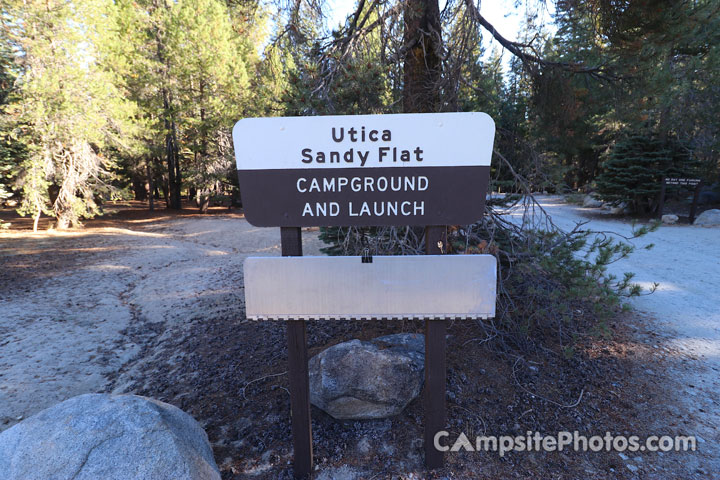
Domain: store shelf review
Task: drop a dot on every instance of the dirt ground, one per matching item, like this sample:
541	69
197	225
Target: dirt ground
152	304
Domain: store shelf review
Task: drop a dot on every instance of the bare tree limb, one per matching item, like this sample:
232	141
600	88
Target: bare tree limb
532	60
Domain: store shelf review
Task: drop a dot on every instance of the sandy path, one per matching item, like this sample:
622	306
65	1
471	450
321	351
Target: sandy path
75	307
685	261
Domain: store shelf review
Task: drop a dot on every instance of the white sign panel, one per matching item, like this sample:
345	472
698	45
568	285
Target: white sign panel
392	287
364	141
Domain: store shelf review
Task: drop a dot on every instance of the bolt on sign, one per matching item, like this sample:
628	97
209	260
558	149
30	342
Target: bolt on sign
364	170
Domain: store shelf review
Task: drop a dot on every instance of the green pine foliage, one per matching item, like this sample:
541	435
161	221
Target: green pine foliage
68	107
550	280
160	83
11	149
634	170
106	92
652	64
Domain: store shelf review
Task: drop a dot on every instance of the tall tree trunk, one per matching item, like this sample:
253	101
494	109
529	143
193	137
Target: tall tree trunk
421	73
139	186
171	154
151	186
171	145
204	197
203	129
421	93
176	185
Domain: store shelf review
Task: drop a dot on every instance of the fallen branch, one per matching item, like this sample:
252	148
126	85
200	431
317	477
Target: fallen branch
259	379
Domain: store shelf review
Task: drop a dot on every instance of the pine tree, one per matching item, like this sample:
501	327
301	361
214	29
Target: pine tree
666	55
67	104
636	166
191	66
11	149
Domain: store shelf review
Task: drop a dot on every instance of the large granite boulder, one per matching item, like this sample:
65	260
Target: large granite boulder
358	380
708	218
108	437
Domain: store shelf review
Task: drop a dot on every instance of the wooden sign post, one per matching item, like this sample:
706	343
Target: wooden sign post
291	246
366	170
435	370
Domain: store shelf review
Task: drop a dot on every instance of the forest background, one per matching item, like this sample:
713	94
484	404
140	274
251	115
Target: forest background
106	99
135	99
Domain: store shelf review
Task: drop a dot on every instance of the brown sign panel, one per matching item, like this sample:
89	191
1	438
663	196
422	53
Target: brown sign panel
378	196
371	170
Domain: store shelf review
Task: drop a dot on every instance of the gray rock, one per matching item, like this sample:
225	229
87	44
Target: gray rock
412	344
359	380
109	437
591	202
708	218
670	219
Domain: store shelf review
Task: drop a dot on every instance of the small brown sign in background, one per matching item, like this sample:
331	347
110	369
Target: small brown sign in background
695	183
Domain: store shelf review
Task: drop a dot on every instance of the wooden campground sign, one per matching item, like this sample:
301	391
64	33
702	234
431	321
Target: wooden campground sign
364	170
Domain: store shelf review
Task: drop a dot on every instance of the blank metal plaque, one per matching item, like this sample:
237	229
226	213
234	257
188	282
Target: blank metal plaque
425	287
